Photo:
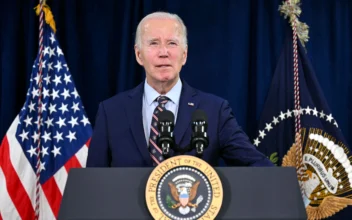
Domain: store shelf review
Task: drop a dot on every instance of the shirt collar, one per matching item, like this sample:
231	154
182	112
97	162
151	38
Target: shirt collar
174	94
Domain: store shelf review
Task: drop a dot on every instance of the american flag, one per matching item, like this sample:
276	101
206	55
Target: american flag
64	135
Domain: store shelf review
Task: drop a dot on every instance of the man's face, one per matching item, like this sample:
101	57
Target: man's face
162	53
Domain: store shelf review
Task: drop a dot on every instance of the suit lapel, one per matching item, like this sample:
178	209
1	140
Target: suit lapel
134	114
187	105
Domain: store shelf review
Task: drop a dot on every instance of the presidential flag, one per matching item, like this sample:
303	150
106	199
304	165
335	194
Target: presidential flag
326	158
64	133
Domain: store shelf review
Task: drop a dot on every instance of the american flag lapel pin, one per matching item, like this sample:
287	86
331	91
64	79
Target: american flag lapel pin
191	104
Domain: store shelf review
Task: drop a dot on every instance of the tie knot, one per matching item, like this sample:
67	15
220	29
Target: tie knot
162	99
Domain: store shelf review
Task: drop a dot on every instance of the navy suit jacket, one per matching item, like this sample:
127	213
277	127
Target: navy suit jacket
118	138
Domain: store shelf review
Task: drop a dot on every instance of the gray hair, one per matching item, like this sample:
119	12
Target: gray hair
161	15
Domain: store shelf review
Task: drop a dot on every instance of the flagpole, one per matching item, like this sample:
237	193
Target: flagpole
296	96
293	11
41	30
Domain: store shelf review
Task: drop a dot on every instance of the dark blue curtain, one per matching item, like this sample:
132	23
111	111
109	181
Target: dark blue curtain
233	49
234	46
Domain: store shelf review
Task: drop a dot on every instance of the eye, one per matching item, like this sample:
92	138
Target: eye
153	43
172	43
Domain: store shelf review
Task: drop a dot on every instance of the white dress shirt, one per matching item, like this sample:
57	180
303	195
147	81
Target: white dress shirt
150	103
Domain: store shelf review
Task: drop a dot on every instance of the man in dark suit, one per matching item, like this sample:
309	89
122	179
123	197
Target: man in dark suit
125	131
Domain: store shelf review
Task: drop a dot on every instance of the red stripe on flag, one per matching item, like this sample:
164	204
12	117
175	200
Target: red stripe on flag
14	185
88	142
72	163
53	195
0	216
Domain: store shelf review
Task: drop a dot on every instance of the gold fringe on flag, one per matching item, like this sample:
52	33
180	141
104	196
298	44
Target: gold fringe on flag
49	18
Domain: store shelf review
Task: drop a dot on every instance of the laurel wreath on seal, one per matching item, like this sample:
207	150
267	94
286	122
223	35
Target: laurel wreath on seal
169	201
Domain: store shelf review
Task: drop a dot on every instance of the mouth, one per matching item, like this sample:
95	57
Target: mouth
163	66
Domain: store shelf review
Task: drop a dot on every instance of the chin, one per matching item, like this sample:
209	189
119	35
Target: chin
166	77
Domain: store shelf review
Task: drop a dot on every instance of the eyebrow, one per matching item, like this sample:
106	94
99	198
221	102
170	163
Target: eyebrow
173	39
153	39
157	39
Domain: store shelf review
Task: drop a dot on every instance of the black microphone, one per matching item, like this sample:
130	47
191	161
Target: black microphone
166	137
199	140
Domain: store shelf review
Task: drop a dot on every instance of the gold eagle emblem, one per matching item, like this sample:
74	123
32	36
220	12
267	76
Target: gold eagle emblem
323	203
183	198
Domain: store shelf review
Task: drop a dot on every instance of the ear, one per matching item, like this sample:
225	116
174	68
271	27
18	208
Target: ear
138	54
185	53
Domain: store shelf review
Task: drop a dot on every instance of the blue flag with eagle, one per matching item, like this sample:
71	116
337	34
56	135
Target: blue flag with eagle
326	156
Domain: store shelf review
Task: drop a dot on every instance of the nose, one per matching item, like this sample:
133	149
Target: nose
163	51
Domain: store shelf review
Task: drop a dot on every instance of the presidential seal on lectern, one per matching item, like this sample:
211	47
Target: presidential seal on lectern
184	188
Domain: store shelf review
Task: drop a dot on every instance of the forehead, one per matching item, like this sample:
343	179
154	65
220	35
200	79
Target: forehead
161	27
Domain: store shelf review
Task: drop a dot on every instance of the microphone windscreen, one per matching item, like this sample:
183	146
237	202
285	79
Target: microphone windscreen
166	116
199	115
